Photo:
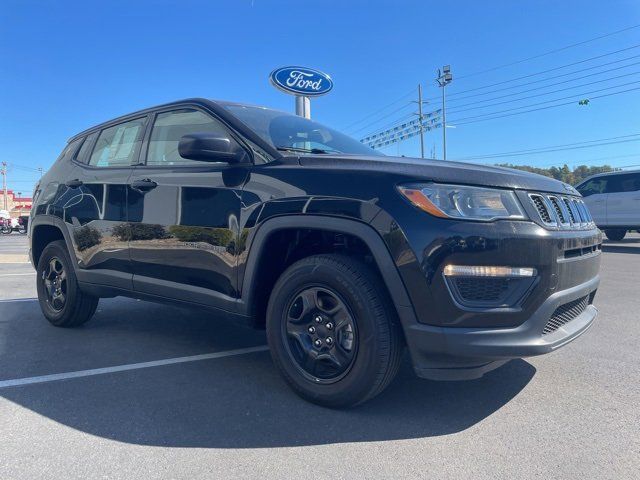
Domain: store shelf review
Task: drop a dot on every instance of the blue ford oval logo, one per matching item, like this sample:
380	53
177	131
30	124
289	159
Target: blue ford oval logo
301	81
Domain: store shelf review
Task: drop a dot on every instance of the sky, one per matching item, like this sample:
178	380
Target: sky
67	65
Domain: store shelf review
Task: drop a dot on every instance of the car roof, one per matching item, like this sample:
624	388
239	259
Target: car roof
216	106
608	174
137	113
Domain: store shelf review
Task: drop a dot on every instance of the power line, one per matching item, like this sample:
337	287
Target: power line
347	127
20	167
540	87
560	149
534	150
353	132
461	121
554	77
542	71
550	52
455	110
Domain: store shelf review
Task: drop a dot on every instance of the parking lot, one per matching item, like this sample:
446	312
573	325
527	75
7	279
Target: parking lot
151	391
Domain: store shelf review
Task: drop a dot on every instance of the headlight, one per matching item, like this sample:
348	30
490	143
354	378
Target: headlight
463	202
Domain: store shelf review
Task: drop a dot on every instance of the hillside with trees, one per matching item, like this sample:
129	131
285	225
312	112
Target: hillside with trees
564	173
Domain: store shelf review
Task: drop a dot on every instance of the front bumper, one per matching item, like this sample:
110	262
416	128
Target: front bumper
454	353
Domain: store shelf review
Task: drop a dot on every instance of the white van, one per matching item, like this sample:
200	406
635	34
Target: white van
614	201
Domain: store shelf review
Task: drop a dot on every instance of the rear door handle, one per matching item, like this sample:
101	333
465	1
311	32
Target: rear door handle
144	185
74	183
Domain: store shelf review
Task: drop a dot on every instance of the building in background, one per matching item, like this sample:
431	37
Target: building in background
16	204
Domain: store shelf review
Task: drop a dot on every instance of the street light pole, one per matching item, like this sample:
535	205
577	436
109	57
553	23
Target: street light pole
444	78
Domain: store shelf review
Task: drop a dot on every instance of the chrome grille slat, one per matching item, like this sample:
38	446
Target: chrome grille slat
543	208
563	212
567	204
560	214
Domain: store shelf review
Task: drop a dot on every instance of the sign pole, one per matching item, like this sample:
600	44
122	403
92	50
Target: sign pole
303	106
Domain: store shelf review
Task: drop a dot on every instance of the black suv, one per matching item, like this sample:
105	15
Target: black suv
344	255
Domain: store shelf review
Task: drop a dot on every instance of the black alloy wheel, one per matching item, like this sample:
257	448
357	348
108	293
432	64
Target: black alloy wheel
321	334
54	279
61	300
333	331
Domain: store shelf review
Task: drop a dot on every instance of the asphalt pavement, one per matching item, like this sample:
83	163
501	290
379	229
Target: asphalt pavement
152	391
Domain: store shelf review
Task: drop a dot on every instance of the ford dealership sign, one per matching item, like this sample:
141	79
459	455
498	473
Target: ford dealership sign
301	81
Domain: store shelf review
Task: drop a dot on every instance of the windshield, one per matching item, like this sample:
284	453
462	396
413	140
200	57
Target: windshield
289	132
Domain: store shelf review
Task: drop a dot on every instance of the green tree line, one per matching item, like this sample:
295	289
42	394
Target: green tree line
564	173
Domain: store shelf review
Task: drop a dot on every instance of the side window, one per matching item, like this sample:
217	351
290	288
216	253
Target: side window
118	145
168	129
69	150
630	182
593	186
83	153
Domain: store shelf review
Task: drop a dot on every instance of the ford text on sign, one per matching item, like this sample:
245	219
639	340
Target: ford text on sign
301	81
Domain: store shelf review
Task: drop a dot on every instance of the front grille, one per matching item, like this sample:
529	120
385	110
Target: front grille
560	211
565	313
567	204
473	289
541	207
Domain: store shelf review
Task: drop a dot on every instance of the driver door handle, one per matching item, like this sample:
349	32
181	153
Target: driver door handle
144	185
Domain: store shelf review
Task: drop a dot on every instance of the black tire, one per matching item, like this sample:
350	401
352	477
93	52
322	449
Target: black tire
76	307
615	234
376	339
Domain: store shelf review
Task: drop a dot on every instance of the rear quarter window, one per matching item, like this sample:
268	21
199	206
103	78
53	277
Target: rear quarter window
117	146
69	150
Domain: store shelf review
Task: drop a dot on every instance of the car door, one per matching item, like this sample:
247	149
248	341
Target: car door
184	215
595	197
96	206
623	200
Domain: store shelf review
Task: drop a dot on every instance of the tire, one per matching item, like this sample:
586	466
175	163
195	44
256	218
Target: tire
368	344
615	234
61	300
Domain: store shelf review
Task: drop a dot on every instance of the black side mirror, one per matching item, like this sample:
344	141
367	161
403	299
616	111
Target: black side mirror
209	147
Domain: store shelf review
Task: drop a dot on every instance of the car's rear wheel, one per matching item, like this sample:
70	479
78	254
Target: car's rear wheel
61	300
615	234
333	331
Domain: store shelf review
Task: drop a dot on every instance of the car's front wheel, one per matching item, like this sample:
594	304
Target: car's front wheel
61	300
333	331
615	234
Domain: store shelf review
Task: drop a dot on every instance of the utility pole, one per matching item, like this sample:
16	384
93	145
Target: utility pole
444	78
420	120
20	206
40	170
3	171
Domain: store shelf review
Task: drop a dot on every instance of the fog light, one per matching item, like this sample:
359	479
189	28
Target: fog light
483	271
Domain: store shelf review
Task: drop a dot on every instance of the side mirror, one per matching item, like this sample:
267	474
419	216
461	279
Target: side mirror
209	147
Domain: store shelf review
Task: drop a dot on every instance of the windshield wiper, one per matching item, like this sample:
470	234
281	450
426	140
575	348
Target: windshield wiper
303	150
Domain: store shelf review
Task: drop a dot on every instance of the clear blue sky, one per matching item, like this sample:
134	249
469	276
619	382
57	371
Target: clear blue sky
67	65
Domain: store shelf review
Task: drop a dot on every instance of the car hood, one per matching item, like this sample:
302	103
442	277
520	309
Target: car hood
441	171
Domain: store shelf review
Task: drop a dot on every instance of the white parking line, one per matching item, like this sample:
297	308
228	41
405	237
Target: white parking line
132	366
16	274
8	300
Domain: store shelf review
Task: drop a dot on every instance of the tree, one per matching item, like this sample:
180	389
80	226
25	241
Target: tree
564	173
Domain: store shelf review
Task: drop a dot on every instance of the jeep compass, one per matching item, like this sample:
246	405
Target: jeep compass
344	255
